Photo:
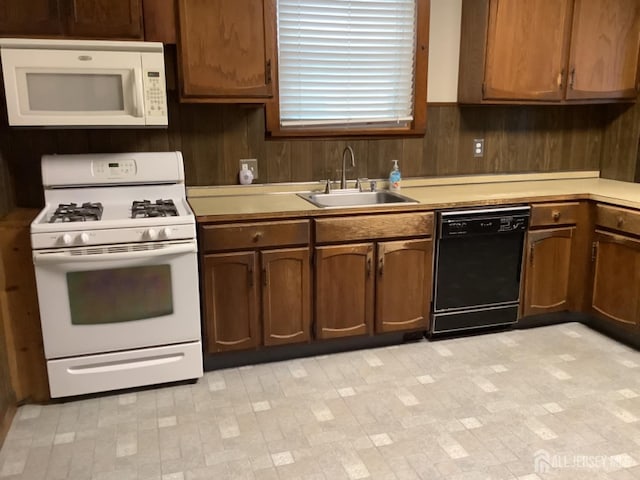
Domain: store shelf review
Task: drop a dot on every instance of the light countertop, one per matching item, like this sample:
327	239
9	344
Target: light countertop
216	203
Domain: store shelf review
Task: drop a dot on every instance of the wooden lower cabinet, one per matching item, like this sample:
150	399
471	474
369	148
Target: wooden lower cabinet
346	278
231	301
286	296
403	285
547	270
238	284
616	279
344	290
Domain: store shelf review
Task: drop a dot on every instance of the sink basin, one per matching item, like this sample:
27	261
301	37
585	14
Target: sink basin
355	198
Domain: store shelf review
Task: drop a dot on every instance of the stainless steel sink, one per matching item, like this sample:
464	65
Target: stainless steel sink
355	198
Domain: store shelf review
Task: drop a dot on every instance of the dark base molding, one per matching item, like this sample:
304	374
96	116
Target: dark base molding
630	337
287	352
556	318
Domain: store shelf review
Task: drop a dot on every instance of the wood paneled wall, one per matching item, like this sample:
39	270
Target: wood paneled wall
6	191
213	138
621	148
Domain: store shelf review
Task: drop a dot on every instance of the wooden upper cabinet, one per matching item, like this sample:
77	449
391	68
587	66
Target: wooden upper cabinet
30	17
525	55
549	51
605	42
105	18
226	49
72	18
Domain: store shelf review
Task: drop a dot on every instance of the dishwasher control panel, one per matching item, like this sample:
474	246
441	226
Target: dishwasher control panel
484	221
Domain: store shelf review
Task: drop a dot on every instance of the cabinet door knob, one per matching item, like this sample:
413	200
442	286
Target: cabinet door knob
620	221
555	215
257	236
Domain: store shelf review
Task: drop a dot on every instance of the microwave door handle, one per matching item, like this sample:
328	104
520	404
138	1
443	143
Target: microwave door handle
138	95
52	258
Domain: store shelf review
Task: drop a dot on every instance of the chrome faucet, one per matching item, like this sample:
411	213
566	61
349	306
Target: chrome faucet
343	181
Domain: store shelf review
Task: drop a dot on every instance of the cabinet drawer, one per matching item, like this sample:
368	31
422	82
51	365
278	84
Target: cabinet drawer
365	227
565	213
618	219
254	235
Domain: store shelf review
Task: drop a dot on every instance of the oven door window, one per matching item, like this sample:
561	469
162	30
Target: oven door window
120	294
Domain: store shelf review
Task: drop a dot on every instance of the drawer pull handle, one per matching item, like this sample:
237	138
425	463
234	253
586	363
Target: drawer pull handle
556	216
257	237
620	221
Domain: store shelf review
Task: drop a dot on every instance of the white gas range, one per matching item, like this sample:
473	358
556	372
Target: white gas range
115	257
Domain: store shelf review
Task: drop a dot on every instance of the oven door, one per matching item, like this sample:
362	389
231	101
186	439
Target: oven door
106	299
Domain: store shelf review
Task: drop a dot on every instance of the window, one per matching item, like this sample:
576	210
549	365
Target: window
350	67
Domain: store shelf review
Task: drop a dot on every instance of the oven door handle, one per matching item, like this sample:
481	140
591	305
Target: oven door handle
51	258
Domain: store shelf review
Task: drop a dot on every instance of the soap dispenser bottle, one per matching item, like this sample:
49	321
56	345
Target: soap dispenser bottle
395	177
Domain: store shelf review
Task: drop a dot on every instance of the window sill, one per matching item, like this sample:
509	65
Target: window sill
346	133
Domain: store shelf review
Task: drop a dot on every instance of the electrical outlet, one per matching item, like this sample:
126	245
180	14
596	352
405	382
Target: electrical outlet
252	164
478	147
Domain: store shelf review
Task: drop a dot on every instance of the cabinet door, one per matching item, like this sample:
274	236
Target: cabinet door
605	42
226	48
403	286
286	299
105	18
30	17
616	280
526	49
344	290
547	271
231	302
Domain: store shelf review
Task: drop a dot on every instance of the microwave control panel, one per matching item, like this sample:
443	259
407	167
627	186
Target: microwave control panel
155	89
155	95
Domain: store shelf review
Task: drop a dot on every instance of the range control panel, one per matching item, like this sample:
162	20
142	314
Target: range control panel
106	169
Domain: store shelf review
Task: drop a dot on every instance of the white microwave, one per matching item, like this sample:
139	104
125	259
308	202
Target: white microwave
83	84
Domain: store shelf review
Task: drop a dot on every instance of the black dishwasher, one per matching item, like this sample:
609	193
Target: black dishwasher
478	267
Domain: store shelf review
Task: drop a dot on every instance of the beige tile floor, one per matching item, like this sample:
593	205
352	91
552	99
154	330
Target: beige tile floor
552	402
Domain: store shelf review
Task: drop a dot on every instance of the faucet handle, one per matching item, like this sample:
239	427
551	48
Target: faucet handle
360	182
327	186
373	185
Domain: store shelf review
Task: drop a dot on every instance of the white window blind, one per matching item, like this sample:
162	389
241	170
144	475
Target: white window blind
346	62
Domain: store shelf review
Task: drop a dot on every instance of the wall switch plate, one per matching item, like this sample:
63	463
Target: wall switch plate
252	164
478	147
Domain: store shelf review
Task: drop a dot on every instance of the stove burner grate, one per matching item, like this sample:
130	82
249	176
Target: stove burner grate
71	212
161	208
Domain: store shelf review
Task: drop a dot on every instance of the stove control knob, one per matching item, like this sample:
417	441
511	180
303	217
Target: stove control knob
166	232
66	239
84	238
152	234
